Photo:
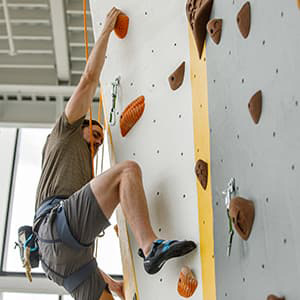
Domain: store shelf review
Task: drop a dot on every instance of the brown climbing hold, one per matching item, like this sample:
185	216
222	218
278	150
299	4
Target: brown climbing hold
298	1
244	20
272	297
214	28
187	283
255	106
201	170
131	114
198	13
176	78
241	212
121	26
116	228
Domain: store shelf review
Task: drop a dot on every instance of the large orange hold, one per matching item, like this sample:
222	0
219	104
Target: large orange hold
121	26
132	114
187	283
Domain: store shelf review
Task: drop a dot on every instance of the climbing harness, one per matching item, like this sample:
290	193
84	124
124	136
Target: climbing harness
228	194
29	254
112	115
29	249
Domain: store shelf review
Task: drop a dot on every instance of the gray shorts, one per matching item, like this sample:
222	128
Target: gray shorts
86	220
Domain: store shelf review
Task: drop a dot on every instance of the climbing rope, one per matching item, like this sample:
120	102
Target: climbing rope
91	112
101	109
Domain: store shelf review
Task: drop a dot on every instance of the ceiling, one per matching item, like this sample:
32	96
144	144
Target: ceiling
42	57
42	42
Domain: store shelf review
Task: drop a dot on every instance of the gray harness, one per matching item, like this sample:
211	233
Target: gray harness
71	282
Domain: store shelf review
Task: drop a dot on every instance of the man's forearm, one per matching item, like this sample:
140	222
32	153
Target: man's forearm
96	59
81	99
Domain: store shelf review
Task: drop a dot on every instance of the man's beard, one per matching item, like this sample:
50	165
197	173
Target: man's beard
96	147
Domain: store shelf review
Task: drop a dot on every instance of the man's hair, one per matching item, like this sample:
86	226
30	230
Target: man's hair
86	123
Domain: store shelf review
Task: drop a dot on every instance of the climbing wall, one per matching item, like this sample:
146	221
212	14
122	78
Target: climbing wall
162	141
208	118
264	158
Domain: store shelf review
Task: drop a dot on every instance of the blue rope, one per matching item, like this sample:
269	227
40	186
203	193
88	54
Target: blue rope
26	243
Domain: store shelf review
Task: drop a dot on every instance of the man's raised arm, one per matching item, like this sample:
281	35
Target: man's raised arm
81	100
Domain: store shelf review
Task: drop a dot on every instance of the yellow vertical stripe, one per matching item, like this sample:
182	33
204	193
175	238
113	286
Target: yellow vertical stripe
129	274
202	151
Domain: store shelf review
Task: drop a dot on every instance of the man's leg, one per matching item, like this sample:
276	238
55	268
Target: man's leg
123	184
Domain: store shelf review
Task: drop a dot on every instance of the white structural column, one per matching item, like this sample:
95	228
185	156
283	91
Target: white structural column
8	28
60	39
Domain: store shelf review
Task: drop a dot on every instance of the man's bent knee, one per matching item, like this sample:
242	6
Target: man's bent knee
131	166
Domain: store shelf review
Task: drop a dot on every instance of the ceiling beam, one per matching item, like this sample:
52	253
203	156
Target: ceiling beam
60	39
8	28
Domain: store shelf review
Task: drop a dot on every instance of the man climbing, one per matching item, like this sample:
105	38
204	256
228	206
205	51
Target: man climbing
79	206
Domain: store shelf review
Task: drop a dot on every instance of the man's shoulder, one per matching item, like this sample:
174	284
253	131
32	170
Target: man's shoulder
62	128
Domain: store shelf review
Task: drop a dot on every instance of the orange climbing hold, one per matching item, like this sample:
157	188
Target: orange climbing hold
121	26
187	283
132	114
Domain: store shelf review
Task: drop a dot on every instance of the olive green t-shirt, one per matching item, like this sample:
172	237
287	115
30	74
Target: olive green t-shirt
66	161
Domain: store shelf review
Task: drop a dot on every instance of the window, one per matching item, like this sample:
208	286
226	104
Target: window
27	171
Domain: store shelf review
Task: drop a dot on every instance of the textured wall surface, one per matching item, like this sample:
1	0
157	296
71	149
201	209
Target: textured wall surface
263	158
162	141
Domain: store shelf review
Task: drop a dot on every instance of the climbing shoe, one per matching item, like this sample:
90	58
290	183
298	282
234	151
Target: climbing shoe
162	250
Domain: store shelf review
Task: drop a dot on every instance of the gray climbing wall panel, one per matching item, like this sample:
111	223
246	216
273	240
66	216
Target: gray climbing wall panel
263	158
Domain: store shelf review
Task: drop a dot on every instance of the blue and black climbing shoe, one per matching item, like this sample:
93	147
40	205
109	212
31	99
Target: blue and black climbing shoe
162	250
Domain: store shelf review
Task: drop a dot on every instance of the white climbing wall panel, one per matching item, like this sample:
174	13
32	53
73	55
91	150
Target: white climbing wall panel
162	141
